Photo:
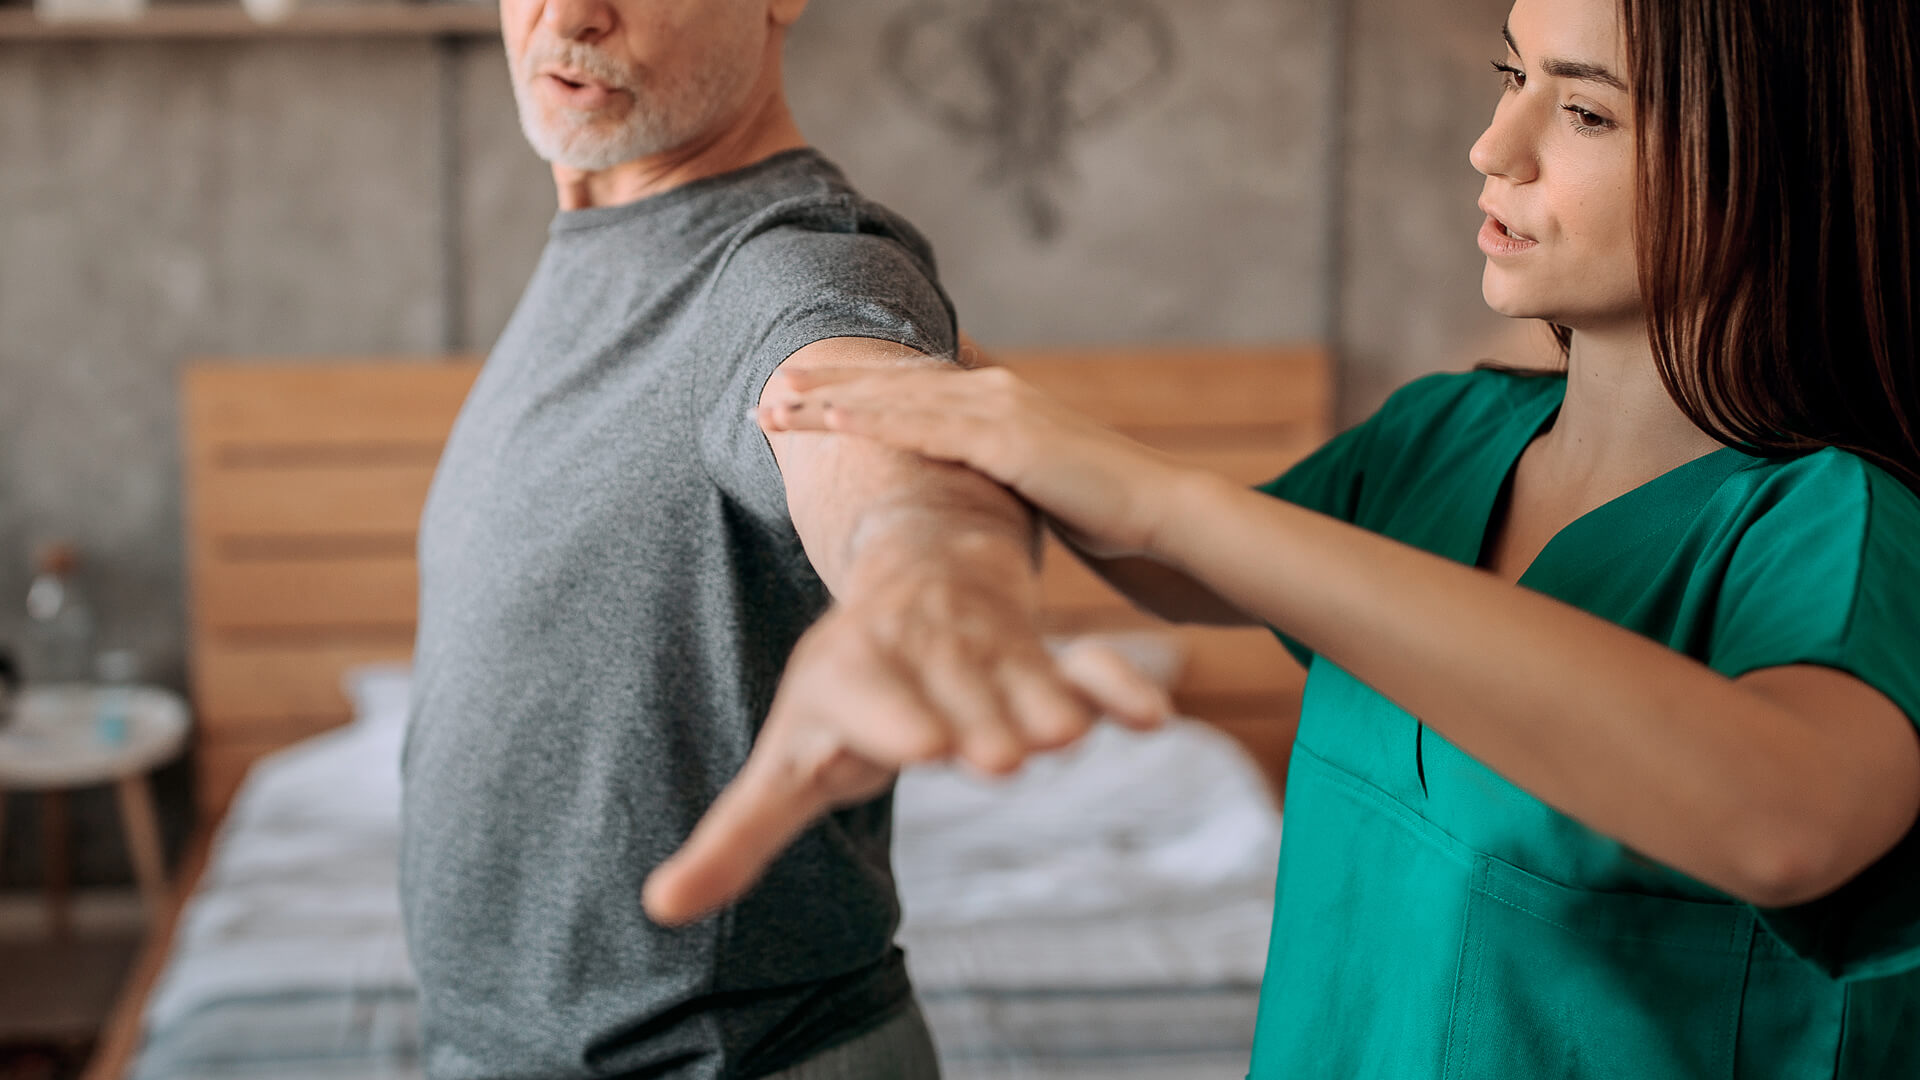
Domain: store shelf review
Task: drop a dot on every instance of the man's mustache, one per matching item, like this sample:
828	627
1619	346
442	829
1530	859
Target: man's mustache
584	60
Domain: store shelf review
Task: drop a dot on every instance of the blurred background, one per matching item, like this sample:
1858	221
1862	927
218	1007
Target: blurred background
1213	171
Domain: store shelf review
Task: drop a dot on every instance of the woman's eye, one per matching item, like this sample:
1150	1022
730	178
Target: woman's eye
1587	122
1511	78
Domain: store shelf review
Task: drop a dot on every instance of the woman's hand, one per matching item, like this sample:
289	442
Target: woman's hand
1103	492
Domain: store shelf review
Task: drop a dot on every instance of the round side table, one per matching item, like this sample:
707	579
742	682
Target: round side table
51	746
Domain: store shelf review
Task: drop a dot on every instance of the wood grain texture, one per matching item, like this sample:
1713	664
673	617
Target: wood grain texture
323	403
243	685
113	1055
307	588
1142	388
271	500
304	485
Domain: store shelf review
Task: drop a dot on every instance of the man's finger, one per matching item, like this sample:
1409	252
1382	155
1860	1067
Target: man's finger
766	807
1051	713
788	782
1114	685
972	706
887	719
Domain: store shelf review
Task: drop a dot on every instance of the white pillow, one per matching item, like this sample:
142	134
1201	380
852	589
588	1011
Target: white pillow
380	693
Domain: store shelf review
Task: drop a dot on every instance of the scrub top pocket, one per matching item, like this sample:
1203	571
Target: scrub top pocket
1584	985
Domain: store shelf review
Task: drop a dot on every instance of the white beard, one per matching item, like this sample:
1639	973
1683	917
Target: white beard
657	118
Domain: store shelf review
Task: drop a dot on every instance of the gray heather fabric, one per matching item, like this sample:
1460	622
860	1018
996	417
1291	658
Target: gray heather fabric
610	587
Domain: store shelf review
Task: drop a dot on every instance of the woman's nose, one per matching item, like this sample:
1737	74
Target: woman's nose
1505	149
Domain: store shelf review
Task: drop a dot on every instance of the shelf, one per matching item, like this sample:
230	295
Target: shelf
205	21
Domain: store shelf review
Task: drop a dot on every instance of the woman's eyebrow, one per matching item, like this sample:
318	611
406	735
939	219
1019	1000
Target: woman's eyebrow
1571	69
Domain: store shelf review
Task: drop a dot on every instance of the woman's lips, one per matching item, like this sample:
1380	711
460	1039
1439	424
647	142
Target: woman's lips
581	96
1496	240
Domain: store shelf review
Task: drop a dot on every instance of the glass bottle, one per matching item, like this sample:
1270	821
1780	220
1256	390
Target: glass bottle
59	623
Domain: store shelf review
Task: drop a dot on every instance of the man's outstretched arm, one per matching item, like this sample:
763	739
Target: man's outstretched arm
930	649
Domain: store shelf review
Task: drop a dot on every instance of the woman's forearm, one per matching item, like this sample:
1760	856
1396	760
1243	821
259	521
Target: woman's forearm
1163	591
1633	739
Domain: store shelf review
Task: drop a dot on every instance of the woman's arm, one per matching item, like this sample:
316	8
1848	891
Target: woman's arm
1162	591
1777	788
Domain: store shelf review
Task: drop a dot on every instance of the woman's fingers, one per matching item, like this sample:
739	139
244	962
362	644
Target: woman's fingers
953	435
796	381
801	398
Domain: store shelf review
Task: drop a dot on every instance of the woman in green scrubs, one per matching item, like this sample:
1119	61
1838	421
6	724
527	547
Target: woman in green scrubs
1607	764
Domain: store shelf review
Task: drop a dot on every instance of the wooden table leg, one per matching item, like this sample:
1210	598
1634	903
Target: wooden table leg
143	844
58	858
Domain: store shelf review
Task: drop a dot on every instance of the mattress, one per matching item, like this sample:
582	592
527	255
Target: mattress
1142	961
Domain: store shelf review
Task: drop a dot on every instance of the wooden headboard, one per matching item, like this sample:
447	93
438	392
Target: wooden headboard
305	483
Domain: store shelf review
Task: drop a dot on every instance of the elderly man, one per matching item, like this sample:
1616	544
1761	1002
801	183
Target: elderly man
617	565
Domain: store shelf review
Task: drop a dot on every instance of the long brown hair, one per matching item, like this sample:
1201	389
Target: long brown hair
1779	185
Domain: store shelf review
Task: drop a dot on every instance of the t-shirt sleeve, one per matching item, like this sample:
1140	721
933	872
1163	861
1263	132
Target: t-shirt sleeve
1829	575
784	289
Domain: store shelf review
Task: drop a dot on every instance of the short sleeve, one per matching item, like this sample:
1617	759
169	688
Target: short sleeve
1328	481
1829	575
784	289
1336	479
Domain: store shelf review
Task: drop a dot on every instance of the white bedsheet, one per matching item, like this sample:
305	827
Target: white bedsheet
1131	861
1120	822
301	891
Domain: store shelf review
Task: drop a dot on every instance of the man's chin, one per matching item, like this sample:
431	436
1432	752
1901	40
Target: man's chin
588	150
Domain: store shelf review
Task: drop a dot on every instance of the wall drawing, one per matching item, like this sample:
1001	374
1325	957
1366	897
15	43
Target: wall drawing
1026	77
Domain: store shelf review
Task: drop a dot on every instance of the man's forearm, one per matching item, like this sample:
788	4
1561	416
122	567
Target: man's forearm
948	522
867	512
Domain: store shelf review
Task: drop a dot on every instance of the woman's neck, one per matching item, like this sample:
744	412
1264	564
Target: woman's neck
1619	426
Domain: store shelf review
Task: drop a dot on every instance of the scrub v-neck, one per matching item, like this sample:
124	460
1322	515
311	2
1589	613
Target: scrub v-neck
1685	486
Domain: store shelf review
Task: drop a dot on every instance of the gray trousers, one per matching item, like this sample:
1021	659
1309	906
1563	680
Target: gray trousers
900	1049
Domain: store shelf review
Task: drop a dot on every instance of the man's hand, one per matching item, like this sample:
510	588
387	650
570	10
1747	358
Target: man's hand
921	663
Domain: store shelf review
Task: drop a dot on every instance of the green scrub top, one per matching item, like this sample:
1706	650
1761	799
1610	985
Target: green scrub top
1432	920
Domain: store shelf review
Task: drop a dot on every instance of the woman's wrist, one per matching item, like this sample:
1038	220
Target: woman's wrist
1189	498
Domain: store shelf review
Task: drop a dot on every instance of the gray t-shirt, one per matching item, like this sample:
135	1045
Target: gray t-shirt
610	588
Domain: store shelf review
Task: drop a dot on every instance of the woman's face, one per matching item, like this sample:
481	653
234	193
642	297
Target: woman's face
1559	160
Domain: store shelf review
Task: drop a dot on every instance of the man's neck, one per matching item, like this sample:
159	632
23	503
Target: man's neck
764	129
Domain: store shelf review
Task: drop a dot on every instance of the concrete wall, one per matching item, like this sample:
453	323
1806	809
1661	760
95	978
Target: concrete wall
1200	170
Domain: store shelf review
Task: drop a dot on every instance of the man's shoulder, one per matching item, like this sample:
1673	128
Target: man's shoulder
814	219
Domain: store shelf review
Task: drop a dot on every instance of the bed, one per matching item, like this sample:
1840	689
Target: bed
281	956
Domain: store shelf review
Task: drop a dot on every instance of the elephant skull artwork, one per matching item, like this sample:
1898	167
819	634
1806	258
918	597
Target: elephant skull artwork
1026	77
